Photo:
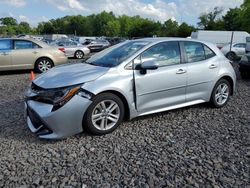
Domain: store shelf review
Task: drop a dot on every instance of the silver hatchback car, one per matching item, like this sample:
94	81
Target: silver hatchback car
131	79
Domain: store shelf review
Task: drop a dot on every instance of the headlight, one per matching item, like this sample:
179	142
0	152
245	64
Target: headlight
57	97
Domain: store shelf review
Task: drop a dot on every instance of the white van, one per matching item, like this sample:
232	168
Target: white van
221	38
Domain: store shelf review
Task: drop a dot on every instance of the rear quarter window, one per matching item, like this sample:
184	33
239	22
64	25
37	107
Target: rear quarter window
195	51
208	52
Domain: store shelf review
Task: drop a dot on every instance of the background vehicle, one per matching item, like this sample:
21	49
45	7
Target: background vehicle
220	38
97	45
29	54
248	45
120	82
73	49
244	66
237	50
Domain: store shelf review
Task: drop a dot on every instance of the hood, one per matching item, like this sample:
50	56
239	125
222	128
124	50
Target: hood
70	74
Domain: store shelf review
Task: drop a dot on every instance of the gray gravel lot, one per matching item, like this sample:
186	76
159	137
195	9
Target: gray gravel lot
191	147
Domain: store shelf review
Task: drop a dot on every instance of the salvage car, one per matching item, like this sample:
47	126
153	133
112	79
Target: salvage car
16	54
237	50
130	79
244	66
73	49
97	45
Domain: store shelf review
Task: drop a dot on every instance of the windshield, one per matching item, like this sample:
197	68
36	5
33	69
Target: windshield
115	55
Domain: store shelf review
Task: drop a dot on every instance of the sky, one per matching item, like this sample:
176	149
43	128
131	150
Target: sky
35	11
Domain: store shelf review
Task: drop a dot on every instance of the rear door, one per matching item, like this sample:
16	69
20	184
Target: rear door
25	54
202	68
5	54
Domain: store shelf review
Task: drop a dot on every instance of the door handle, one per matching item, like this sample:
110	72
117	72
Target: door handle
181	71
213	66
35	52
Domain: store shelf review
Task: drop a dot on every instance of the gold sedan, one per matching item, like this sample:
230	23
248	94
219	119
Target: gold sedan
16	54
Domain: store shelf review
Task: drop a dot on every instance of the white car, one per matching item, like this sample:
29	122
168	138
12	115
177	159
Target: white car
237	50
73	49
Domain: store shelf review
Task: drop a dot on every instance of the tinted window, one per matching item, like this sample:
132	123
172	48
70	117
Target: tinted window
22	44
5	45
195	51
208	52
165	53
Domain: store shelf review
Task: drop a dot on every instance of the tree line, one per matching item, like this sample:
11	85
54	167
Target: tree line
107	24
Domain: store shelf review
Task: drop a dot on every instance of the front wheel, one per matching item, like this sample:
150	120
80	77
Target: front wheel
221	93
104	115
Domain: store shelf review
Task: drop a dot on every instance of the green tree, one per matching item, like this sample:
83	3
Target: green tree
23	28
112	28
245	16
170	28
211	20
185	30
9	21
231	19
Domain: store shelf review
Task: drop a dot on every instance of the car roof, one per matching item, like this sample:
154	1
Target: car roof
162	39
40	43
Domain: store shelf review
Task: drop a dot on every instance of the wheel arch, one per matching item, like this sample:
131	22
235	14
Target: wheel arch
79	50
44	57
124	100
230	80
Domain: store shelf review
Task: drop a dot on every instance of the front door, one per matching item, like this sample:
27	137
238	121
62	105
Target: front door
165	86
5	54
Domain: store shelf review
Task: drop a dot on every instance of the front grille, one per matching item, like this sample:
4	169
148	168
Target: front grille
35	119
37	122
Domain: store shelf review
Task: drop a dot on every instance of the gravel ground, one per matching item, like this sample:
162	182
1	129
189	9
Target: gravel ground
191	147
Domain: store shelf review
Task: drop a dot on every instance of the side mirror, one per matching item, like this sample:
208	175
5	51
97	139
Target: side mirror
147	65
150	65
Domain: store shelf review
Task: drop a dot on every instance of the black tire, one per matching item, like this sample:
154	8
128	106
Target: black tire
231	56
88	124
41	61
214	101
79	54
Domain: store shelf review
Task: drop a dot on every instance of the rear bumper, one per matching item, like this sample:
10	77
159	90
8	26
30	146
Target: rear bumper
60	60
62	123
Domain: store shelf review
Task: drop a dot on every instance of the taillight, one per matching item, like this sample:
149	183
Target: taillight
62	50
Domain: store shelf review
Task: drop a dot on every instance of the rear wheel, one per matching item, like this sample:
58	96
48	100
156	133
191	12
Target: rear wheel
79	54
104	115
221	93
43	65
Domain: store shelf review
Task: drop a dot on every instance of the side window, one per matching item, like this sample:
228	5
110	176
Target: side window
208	52
240	45
23	44
5	45
165	53
36	46
195	51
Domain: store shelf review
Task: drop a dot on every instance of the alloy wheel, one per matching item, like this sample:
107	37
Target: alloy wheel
105	115
222	93
44	65
79	55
